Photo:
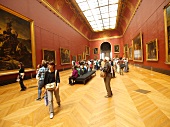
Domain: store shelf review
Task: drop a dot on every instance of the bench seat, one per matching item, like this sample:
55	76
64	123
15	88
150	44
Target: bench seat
85	77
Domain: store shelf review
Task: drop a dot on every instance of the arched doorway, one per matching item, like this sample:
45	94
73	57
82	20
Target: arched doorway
105	50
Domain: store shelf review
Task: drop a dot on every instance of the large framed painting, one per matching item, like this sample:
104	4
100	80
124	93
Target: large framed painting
116	48
74	58
152	50
79	57
87	50
65	56
16	41
49	55
95	51
167	31
125	50
138	48
130	53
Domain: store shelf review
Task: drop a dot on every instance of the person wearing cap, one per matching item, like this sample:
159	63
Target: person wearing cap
107	79
21	76
51	76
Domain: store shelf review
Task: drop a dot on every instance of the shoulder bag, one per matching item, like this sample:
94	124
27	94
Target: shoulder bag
51	86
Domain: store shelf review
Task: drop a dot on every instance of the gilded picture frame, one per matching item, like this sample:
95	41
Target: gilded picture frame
74	58
87	50
125	50
116	48
167	32
84	56
130	51
137	48
79	57
95	51
17	42
152	50
49	55
65	56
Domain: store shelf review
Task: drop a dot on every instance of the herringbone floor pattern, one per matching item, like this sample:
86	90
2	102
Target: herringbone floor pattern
86	106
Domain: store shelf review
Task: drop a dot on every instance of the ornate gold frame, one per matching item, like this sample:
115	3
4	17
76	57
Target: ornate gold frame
130	52
14	71
116	48
49	55
64	59
137	48
167	34
152	50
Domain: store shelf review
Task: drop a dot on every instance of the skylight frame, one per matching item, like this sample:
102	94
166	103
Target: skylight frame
101	14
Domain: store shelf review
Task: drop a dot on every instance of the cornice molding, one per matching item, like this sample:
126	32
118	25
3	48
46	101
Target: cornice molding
52	9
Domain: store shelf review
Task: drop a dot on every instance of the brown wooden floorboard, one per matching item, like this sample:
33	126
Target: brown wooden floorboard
85	105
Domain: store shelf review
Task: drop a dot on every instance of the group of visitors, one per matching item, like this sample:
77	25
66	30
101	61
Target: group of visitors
46	74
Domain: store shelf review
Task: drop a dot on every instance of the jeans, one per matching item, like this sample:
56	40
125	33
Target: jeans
40	85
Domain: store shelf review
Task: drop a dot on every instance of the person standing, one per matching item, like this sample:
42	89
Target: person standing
21	76
40	76
51	76
107	79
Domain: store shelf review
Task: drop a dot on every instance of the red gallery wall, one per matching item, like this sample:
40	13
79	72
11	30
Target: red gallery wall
50	31
149	20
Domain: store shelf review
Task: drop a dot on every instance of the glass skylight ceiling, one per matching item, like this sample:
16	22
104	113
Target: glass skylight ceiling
101	14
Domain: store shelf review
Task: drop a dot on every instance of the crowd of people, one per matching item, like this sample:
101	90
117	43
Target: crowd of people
46	73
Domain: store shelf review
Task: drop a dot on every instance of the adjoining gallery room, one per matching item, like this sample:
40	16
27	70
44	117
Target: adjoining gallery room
84	63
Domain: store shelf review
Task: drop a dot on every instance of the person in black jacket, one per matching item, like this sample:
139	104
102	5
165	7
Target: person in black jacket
21	76
51	76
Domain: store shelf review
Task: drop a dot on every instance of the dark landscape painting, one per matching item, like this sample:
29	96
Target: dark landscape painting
15	41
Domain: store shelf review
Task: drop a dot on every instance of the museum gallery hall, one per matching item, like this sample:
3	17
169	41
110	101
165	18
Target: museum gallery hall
84	33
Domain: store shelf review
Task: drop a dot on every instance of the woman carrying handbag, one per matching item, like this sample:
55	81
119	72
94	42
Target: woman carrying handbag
51	77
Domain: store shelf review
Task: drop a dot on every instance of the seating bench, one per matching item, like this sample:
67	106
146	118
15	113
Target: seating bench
85	77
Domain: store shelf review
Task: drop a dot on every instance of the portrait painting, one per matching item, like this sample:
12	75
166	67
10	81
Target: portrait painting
49	55
167	31
95	51
116	49
65	56
130	53
87	50
79	57
16	40
152	50
74	58
125	50
137	48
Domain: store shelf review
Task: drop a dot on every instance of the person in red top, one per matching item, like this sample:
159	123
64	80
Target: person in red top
73	76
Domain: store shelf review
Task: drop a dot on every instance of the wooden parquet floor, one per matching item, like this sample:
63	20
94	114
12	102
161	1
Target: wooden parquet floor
141	98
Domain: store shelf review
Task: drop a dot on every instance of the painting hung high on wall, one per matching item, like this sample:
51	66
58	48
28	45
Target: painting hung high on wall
137	48
65	56
95	51
49	55
116	49
87	50
167	31
152	50
16	40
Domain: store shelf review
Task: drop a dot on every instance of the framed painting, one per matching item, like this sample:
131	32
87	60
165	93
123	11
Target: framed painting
167	32
49	55
125	49
16	41
130	53
95	51
79	57
137	48
84	56
152	50
65	56
116	49
87	50
74	58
